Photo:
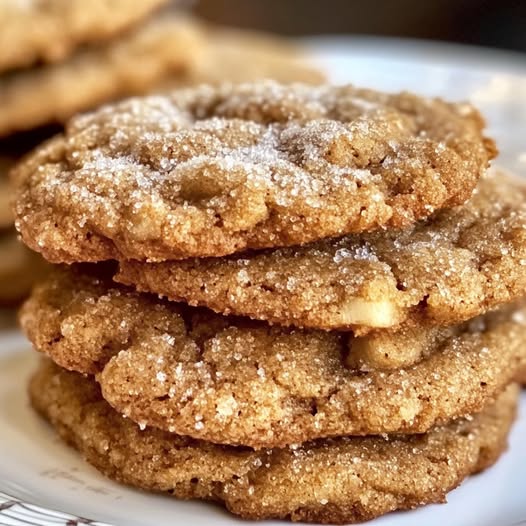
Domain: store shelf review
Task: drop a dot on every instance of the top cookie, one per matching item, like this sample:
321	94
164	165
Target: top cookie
33	30
447	269
212	171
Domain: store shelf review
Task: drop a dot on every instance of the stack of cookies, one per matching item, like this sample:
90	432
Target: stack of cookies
306	301
60	57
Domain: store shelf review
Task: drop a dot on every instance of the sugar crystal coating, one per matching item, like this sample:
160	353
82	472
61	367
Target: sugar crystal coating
214	170
333	481
234	381
455	265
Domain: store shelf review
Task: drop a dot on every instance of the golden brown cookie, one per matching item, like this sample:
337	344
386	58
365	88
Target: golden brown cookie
135	63
456	265
210	171
233	381
334	481
19	269
48	31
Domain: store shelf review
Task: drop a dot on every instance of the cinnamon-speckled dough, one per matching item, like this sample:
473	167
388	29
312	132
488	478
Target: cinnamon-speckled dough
334	481
50	30
456	265
233	381
213	170
135	63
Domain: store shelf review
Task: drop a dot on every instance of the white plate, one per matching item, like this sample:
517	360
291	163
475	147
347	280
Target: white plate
35	467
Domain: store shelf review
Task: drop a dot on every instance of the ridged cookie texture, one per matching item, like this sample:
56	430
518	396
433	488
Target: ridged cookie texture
35	31
455	265
333	481
234	381
210	171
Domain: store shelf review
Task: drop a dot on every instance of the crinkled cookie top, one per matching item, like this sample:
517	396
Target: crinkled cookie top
212	171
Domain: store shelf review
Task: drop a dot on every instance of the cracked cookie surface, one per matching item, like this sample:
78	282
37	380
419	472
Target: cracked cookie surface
333	481
215	170
452	267
239	382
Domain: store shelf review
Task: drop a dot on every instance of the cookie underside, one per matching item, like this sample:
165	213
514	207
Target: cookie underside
50	31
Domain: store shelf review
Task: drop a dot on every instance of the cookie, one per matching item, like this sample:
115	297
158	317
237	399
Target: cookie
133	64
233	55
19	268
454	266
213	170
334	481
34	31
238	382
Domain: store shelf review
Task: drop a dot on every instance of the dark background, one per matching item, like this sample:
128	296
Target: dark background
489	23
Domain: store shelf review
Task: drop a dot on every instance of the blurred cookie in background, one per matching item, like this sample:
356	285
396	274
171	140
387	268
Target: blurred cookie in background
236	55
135	63
44	32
